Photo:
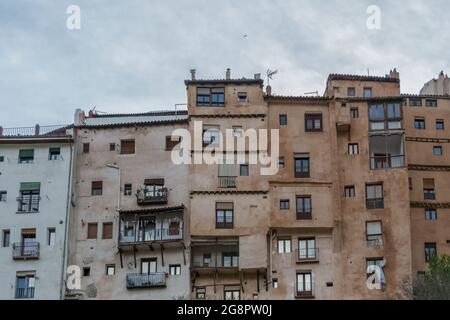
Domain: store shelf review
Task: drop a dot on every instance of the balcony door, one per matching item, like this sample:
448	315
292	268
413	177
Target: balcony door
29	243
148	266
147	228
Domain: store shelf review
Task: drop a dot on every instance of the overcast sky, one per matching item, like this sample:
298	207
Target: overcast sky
133	55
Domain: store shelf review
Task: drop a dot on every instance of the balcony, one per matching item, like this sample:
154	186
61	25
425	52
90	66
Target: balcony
36	131
145	197
27	204
386	152
151	235
24	293
227	182
379	162
26	251
310	255
215	257
152	280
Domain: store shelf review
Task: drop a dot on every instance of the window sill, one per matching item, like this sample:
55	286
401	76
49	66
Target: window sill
26	212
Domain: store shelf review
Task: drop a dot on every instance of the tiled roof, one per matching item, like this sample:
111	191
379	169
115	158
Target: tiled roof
224	81
437	96
353	77
284	99
149	118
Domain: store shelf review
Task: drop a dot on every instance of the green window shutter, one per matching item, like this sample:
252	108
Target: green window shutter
26	153
30	186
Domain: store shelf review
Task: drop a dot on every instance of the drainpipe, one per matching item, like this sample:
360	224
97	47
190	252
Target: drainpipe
66	231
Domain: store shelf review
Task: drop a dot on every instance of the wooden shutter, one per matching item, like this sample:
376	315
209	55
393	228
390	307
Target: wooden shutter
92	230
428	183
107	230
127	147
155	182
224	205
170	144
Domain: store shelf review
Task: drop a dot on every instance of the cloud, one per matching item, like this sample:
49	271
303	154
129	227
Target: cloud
133	56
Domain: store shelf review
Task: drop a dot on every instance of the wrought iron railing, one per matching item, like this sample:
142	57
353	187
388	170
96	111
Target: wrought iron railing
24	293
136	280
28	204
157	197
48	131
227	182
25	250
308	255
165	234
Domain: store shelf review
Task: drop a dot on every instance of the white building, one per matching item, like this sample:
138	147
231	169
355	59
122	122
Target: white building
35	184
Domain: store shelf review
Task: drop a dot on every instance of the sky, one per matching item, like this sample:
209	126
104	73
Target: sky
134	55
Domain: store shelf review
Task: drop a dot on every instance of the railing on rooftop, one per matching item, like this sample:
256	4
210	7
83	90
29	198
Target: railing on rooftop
37	130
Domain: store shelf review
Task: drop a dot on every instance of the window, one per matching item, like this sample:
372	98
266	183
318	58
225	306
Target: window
437	151
110	269
86	147
284	246
213	97
430	251
2	158
3	195
374	232
154	189
440	124
419	123
207	260
244	171
211	135
428	189
54	154
172	142
232	293
372	264
275	283
351	92
230	259
307	249
97	188
92	231
283	120
301	165
127	189
51	237
353	149
107	231
86	271
175	270
284	204
354	113
304	284
431	103
349	191
313	122
430	214
200	293
29	197
25	286
127	146
242	97
224	215
304	208
281	162
26	155
386	151
410	183
385	116
374	196
415	102
367	93
112	147
6	236
149	266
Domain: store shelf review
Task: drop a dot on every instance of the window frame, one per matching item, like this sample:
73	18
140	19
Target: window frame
431	214
353	149
303	215
131	146
313	117
224	224
427	247
282	249
302	173
89	234
375	203
283	120
97	188
284	201
210	95
104	235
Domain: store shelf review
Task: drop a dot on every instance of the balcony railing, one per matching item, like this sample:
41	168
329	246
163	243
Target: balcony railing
227	182
199	261
25	251
308	255
304	290
152	235
46	131
148	198
28	204
24	293
136	280
387	162
375	240
375	203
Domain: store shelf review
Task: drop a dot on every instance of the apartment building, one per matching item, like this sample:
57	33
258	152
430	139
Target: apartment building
35	183
130	222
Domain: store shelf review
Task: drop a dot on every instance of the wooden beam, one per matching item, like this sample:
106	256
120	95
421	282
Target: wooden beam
162	254
121	260
184	255
134	255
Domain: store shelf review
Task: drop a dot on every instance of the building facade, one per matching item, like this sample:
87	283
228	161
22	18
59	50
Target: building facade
35	184
129	223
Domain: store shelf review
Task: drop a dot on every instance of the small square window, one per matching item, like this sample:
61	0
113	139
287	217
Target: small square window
367	92
127	147
284	204
3	195
415	102
281	162
175	270
242	97
354	113
283	120
54	154
244	170
110	269
97	188
86	147
2	158
353	149
419	123
51	237
351	92
200	293
440	125
431	103
172	142
284	246
350	192
86	271
127	189
275	283
430	214
112	147
313	122
437	151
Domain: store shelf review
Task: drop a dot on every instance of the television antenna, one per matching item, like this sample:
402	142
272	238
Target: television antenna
270	75
313	92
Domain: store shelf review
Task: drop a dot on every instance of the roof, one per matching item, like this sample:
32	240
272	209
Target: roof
279	98
352	77
36	134
130	119
224	81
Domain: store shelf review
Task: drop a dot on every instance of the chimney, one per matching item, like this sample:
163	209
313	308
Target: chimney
78	119
394	74
228	74
91	114
269	90
192	74
257	76
37	130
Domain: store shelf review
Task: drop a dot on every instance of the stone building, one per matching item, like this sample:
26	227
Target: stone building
439	86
